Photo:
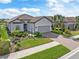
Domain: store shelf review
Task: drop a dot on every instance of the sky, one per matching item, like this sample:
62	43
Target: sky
11	8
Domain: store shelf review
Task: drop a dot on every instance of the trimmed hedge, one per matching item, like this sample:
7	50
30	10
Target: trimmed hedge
64	32
57	30
19	34
38	34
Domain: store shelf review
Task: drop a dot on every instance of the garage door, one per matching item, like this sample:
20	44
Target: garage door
44	29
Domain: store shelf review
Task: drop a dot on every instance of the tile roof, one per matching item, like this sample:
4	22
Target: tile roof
35	19
25	17
70	19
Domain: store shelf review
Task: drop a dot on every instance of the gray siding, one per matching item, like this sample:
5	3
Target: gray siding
30	27
70	25
43	22
12	27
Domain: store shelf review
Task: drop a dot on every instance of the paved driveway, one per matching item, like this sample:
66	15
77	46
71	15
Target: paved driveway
69	43
50	35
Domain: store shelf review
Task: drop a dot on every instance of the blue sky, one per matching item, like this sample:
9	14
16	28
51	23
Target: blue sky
11	8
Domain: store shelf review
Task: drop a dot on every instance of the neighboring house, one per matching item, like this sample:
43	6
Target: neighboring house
29	23
70	22
37	24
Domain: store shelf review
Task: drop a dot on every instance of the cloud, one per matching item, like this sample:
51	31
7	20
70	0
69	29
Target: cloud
11	12
67	1
5	1
60	7
31	10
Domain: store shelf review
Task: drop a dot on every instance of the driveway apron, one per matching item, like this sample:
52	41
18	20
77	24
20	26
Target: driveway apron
69	43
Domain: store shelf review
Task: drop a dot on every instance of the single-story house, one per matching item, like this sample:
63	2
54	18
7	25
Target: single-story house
37	24
29	23
70	22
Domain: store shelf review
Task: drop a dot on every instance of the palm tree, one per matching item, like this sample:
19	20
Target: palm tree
58	19
61	21
54	18
77	22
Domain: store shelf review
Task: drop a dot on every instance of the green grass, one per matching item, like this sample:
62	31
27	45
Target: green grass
27	43
4	43
75	32
3	32
52	53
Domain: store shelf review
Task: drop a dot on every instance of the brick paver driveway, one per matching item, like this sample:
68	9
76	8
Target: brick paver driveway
69	43
50	35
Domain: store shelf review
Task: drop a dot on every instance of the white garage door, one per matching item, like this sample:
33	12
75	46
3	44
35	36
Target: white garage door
43	28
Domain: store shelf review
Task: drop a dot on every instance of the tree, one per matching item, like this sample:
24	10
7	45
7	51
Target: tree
58	19
77	22
55	18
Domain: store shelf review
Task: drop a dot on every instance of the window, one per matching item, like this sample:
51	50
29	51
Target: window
17	27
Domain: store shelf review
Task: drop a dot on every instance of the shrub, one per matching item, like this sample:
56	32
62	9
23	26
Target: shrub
57	30
19	34
38	34
17	48
63	31
67	33
4	47
17	28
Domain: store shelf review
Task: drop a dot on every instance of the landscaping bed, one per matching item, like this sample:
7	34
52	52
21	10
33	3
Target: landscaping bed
24	40
51	53
4	47
64	32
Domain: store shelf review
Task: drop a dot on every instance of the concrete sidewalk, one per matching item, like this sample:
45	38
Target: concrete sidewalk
74	54
27	52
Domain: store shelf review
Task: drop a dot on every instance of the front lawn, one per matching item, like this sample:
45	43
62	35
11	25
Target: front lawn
75	32
28	43
52	53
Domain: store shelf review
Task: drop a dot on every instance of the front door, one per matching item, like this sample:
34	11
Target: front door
25	27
